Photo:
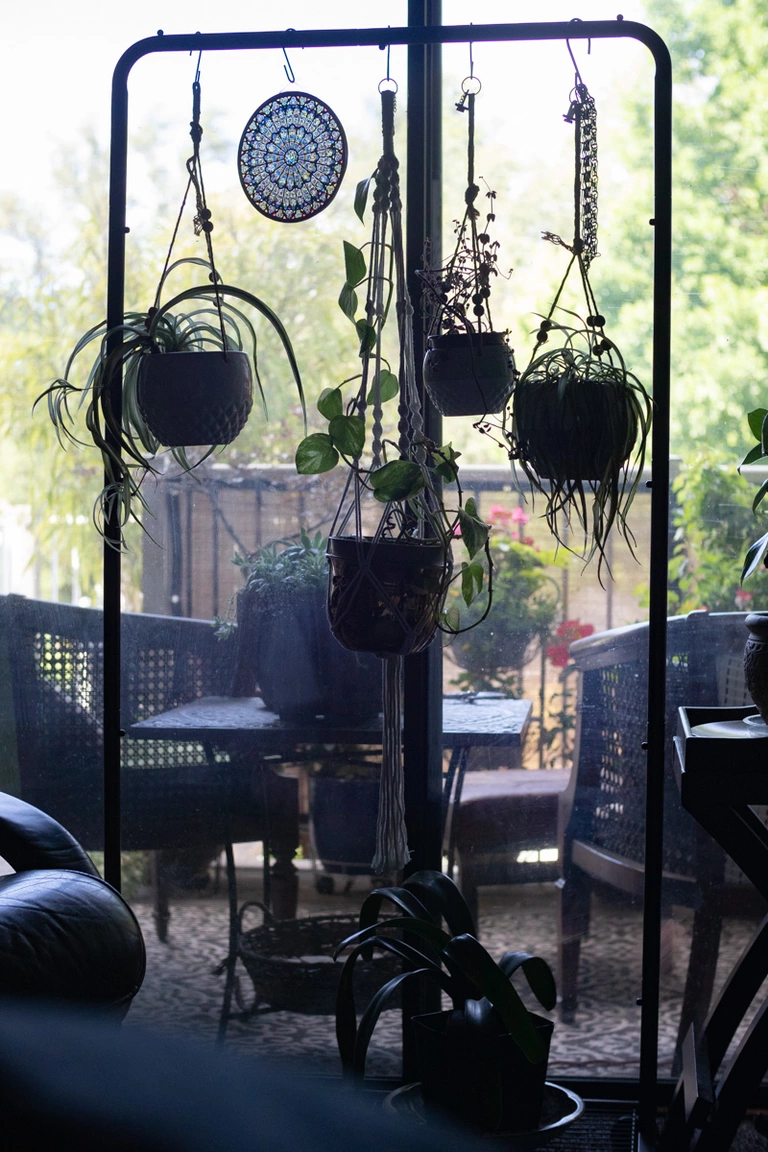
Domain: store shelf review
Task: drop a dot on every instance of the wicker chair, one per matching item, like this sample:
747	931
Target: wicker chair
602	812
175	795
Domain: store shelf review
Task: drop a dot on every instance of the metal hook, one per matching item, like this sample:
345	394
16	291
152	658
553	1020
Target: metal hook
287	69
199	58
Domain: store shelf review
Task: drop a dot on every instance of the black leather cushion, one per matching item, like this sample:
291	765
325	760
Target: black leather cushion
30	838
68	936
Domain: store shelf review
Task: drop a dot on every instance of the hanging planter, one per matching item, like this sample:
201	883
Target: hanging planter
390	547
177	376
579	421
469	369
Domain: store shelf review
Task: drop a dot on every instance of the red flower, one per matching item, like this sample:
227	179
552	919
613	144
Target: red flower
570	630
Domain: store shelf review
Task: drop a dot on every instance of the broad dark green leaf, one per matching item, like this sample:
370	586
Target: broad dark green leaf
472	576
348	435
443	899
348	303
474	532
397	480
755	420
361	197
755	453
390	387
354	265
445	463
490	981
536	971
315	454
367	336
330	403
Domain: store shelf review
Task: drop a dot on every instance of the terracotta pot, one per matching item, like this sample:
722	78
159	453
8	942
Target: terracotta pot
386	597
457	1072
285	646
756	661
468	374
191	399
576	436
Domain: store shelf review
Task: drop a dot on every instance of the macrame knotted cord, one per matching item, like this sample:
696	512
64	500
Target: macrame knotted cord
392	853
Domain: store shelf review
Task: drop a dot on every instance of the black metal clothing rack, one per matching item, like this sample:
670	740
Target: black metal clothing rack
423	37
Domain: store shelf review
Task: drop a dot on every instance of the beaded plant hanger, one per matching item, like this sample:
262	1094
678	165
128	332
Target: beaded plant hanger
579	420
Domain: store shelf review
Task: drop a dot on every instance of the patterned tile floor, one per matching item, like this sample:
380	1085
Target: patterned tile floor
181	994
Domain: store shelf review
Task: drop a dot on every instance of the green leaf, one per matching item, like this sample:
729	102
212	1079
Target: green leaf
538	974
451	619
361	197
444	900
755	453
755	420
474	533
760	495
389	386
348	302
348	435
316	453
354	264
367	336
330	403
445	463
398	480
472	576
755	556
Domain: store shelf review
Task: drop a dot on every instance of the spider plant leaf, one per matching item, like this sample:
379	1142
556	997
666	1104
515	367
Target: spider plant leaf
361	197
755	453
760	495
490	981
330	403
536	971
316	454
397	480
755	556
354	265
347	435
443	899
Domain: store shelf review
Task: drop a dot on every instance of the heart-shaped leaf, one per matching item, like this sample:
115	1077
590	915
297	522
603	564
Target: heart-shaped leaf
389	387
354	264
474	532
348	435
397	480
348	302
330	403
315	454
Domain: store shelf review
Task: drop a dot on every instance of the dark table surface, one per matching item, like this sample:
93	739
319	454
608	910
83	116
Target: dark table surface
468	721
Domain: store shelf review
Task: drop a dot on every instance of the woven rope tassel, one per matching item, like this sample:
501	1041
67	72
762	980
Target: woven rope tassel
391	838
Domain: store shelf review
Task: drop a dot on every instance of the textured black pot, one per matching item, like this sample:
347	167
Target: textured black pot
344	814
468	374
285	646
756	661
575	436
459	1075
385	597
191	399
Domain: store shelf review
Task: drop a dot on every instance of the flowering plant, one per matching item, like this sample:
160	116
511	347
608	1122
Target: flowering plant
565	634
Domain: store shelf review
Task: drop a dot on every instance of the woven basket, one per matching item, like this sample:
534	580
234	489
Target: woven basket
290	963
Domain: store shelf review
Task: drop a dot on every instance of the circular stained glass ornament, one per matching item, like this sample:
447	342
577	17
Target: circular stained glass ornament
292	157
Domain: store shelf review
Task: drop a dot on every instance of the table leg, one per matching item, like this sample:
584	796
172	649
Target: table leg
234	934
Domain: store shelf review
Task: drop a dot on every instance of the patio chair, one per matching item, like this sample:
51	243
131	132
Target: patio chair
602	813
65	934
175	795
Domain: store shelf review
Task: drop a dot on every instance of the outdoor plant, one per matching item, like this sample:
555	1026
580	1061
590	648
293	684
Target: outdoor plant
496	1049
757	553
468	368
137	397
526	604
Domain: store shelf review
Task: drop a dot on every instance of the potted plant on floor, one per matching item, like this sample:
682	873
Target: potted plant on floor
579	421
284	643
469	368
178	376
483	1061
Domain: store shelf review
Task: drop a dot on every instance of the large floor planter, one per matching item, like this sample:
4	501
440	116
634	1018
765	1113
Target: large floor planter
574	434
459	1074
467	374
195	398
344	815
386	596
285	646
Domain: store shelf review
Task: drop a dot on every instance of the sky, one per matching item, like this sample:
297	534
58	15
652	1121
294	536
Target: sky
56	63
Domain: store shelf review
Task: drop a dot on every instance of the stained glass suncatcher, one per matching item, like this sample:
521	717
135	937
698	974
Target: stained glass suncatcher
292	157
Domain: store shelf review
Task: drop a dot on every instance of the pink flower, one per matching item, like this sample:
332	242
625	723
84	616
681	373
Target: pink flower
519	517
742	598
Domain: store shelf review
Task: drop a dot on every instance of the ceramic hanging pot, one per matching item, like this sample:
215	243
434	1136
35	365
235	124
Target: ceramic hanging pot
191	399
467	374
756	661
386	596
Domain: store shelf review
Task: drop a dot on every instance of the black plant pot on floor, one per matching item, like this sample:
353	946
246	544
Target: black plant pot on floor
386	596
191	399
461	1074
467	374
285	646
